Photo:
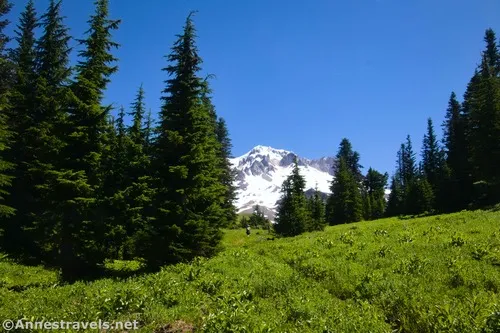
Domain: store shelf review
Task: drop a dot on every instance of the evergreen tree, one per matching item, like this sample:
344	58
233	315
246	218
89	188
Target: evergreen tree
21	115
345	200
83	225
350	157
408	160
419	197
189	198
317	211
46	139
433	164
374	184
483	106
257	219
5	64
228	174
148	133
5	134
293	216
457	188
395	203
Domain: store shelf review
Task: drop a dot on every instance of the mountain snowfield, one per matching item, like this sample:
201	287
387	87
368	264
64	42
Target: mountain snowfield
262	171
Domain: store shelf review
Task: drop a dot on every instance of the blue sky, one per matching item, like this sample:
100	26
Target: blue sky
301	75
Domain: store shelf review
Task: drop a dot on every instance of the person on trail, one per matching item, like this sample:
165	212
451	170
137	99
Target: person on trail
248	230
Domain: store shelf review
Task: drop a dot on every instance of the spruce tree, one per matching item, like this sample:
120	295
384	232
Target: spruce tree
189	196
293	216
317	211
419	196
83	225
350	157
21	113
483	106
374	184
395	203
257	219
345	200
433	163
457	188
228	174
46	139
5	133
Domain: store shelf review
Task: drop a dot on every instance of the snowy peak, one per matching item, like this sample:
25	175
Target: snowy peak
261	172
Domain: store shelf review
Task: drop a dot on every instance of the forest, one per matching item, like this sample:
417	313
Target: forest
80	187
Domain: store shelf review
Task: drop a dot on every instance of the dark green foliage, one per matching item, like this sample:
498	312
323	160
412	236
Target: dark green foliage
345	204
293	216
317	211
189	196
5	133
350	157
482	107
433	166
228	174
345	201
419	197
257	219
374	191
395	203
83	233
21	120
457	187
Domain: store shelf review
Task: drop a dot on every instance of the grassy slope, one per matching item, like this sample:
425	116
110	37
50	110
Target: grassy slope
421	275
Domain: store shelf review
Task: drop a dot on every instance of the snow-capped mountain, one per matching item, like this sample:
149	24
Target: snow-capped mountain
261	172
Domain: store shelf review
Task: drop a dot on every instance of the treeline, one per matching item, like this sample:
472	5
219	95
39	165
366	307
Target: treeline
353	197
463	170
460	172
79	186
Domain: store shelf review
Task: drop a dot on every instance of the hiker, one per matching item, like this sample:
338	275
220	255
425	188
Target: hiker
248	230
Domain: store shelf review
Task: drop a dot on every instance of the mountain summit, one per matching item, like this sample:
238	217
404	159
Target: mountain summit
261	172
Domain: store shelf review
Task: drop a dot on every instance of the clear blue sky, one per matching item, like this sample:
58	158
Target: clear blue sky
301	75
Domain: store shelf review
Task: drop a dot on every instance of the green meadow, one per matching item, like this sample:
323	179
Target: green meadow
429	274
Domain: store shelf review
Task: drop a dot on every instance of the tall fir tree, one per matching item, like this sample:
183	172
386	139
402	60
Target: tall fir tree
228	174
189	196
317	211
83	225
433	164
46	138
21	115
351	158
458	185
345	200
375	184
293	216
6	164
482	103
395	203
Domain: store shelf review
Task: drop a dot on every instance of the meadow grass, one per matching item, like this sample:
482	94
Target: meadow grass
431	274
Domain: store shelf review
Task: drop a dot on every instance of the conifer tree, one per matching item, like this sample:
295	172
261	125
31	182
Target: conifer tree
189	195
433	164
395	203
228	174
257	219
482	104
457	188
21	114
83	225
317	211
5	133
350	157
46	139
374	184
293	216
419	196
345	200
